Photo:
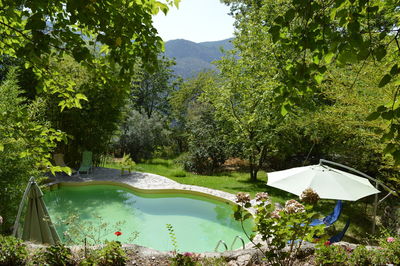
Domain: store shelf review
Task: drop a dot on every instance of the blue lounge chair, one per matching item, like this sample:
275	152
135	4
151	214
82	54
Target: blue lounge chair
331	218
339	237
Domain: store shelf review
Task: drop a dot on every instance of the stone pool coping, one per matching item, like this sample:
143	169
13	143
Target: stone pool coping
146	181
143	181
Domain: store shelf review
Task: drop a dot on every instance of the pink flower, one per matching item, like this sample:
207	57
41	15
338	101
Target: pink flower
327	243
188	254
390	239
118	233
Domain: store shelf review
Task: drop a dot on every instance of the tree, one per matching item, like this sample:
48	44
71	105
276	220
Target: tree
142	136
26	140
151	92
337	128
244	99
337	32
105	37
207	147
183	101
37	30
92	126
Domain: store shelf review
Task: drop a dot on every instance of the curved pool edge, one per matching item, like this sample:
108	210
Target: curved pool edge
151	183
143	182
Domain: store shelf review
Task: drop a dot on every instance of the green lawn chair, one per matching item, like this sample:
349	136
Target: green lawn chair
86	164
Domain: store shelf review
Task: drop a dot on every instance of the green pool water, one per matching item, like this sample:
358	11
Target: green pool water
198	222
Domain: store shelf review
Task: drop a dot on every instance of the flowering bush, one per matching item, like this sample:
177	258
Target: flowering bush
179	259
309	196
388	252
279	228
390	239
242	197
292	206
185	259
91	231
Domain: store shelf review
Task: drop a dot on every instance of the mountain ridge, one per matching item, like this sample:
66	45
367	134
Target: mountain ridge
192	58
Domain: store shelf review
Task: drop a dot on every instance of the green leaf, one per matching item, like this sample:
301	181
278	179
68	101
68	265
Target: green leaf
394	70
373	116
390	148
385	80
382	35
284	110
380	52
388	115
80	96
275	32
381	108
396	156
372	9
328	57
354	26
176	2
1	147
36	22
319	78
289	15
247	216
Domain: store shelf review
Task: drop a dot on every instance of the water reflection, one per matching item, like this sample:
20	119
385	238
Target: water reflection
198	221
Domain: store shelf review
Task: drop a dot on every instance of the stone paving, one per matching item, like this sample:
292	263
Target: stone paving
141	181
145	181
156	182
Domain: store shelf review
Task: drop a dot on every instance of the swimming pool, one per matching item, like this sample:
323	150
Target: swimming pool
198	222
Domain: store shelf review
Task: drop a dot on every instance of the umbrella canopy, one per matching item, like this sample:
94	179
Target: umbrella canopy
328	182
37	225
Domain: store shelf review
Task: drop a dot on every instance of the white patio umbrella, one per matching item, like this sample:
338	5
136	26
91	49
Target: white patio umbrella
328	182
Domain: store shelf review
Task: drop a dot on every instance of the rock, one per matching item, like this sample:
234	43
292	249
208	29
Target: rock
244	260
232	263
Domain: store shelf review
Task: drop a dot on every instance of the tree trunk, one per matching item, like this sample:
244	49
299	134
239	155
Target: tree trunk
253	173
253	169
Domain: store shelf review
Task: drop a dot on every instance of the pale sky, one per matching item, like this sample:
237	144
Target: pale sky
195	20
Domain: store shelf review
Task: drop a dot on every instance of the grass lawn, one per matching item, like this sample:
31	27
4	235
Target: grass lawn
234	182
231	182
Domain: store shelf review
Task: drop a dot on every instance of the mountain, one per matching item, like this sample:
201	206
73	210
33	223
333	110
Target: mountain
192	58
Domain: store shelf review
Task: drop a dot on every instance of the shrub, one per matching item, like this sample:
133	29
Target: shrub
207	147
185	259
330	255
360	256
12	251
388	251
112	255
279	228
142	136
57	255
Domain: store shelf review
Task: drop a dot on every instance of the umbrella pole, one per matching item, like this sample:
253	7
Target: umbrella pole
375	209
21	206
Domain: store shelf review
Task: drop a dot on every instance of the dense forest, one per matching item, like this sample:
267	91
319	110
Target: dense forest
305	80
